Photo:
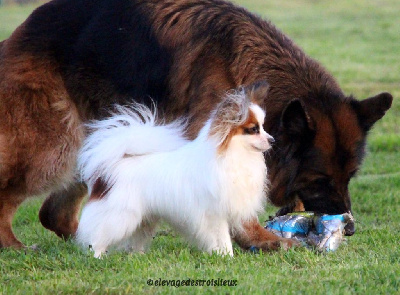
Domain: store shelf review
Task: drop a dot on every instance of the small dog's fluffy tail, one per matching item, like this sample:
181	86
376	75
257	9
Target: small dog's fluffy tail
130	131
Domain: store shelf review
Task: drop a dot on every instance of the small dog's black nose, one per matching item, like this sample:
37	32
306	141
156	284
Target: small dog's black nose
271	139
349	229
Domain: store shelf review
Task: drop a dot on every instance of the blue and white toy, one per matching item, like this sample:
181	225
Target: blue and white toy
324	232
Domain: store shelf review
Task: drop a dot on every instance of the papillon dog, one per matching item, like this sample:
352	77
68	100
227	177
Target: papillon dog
140	171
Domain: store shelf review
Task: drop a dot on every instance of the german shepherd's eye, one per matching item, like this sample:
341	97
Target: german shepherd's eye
252	130
324	181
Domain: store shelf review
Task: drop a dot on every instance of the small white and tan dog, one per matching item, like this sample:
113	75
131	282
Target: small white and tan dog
139	171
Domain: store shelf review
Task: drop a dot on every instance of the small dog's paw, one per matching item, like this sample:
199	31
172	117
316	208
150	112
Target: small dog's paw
100	254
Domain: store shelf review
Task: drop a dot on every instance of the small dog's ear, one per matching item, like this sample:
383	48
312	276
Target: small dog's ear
257	92
233	108
230	113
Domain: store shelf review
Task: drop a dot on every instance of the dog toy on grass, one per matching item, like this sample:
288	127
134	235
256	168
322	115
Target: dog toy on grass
323	232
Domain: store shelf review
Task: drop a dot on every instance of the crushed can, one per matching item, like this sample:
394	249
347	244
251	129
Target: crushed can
328	231
292	226
323	232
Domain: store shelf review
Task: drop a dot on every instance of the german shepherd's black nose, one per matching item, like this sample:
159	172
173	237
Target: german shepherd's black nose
349	229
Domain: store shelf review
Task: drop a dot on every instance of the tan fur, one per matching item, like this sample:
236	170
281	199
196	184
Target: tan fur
255	235
40	133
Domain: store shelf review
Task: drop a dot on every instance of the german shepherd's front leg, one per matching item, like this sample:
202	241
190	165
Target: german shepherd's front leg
254	234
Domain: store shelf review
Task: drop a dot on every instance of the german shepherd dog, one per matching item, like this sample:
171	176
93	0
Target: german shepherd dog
72	60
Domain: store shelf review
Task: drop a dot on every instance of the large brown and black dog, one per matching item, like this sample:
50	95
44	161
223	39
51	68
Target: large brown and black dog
71	60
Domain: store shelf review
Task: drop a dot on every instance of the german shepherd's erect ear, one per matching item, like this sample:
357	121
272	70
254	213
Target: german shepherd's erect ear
295	120
372	109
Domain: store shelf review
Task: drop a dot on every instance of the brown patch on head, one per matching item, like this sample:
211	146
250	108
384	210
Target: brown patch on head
346	122
325	134
349	151
339	139
99	190
250	126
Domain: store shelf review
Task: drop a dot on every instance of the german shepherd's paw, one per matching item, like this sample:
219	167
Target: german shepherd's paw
282	243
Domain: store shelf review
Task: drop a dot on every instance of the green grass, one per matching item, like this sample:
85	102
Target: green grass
359	42
11	16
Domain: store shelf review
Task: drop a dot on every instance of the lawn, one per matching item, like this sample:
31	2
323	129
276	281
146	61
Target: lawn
359	42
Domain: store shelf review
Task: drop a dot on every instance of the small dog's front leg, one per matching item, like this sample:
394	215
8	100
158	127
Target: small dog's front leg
224	240
98	251
214	237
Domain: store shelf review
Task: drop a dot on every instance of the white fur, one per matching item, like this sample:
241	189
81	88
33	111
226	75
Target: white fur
154	173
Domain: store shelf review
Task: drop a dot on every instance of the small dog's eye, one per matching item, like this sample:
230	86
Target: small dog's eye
252	130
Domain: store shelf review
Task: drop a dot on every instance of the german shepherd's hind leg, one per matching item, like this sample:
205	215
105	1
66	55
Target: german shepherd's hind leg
254	234
8	207
40	130
59	212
